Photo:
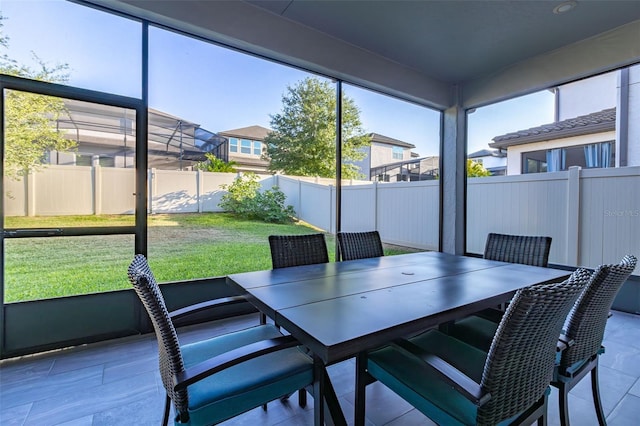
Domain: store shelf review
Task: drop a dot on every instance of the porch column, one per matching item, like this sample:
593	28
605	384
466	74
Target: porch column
452	174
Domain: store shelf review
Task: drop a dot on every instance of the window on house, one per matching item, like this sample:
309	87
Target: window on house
105	161
87	160
257	148
245	146
534	165
233	145
83	160
397	153
591	156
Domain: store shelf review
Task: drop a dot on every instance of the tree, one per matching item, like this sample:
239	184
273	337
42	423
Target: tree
214	164
475	169
303	140
29	118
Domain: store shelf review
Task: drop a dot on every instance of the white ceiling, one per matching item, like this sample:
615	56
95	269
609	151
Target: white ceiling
434	52
456	41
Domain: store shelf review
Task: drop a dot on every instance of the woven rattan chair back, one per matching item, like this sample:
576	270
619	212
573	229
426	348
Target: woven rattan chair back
170	358
520	362
359	245
587	320
296	250
528	250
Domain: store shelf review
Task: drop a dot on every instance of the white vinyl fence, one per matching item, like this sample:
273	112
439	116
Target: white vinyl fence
592	215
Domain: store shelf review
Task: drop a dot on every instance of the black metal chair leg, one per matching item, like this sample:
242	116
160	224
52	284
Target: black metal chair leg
167	408
595	389
563	399
302	398
361	386
542	420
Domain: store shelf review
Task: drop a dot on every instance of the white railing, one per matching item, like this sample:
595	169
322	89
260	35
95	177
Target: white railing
593	215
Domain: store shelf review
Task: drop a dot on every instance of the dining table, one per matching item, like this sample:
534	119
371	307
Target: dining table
341	309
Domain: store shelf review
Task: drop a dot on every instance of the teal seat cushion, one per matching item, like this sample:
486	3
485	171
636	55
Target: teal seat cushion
247	385
417	383
475	331
566	373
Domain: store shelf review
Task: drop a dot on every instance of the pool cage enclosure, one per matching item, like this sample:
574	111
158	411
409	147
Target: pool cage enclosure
106	135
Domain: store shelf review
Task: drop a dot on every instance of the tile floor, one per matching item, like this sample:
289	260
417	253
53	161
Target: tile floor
117	383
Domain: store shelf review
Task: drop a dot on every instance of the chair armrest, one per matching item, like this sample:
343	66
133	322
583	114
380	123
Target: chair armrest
454	377
564	342
198	307
221	362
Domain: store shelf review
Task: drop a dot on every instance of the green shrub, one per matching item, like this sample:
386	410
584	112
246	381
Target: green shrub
214	164
245	199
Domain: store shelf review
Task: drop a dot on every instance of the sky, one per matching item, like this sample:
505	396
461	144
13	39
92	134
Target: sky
216	87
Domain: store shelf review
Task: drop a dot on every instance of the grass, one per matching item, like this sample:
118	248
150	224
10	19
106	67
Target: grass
180	247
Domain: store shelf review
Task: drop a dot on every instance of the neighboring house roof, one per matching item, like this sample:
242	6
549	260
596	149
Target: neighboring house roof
432	160
487	153
376	137
256	133
596	122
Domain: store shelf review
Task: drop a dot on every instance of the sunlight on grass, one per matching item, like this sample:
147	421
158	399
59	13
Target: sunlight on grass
180	247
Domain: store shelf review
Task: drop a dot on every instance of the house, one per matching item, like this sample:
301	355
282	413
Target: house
246	148
105	136
594	128
416	169
494	160
586	141
384	152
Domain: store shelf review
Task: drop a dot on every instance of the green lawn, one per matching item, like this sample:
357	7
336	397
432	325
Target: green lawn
181	247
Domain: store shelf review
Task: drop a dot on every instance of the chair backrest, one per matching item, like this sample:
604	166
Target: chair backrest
587	320
359	245
520	362
528	250
296	250
170	357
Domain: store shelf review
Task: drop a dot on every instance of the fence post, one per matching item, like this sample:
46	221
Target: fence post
30	198
331	210
152	185
97	189
299	206
375	205
573	216
199	189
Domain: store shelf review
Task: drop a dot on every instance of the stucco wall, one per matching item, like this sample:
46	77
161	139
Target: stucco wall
383	154
590	95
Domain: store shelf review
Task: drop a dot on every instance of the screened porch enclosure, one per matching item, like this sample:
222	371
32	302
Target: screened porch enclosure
124	103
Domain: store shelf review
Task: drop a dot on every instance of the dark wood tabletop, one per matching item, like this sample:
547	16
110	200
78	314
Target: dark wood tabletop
341	309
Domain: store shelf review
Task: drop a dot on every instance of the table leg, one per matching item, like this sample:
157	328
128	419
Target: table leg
361	384
325	401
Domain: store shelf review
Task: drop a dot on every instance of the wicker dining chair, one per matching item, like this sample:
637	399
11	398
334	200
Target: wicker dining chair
213	380
584	332
359	245
297	250
528	250
524	249
580	343
454	383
